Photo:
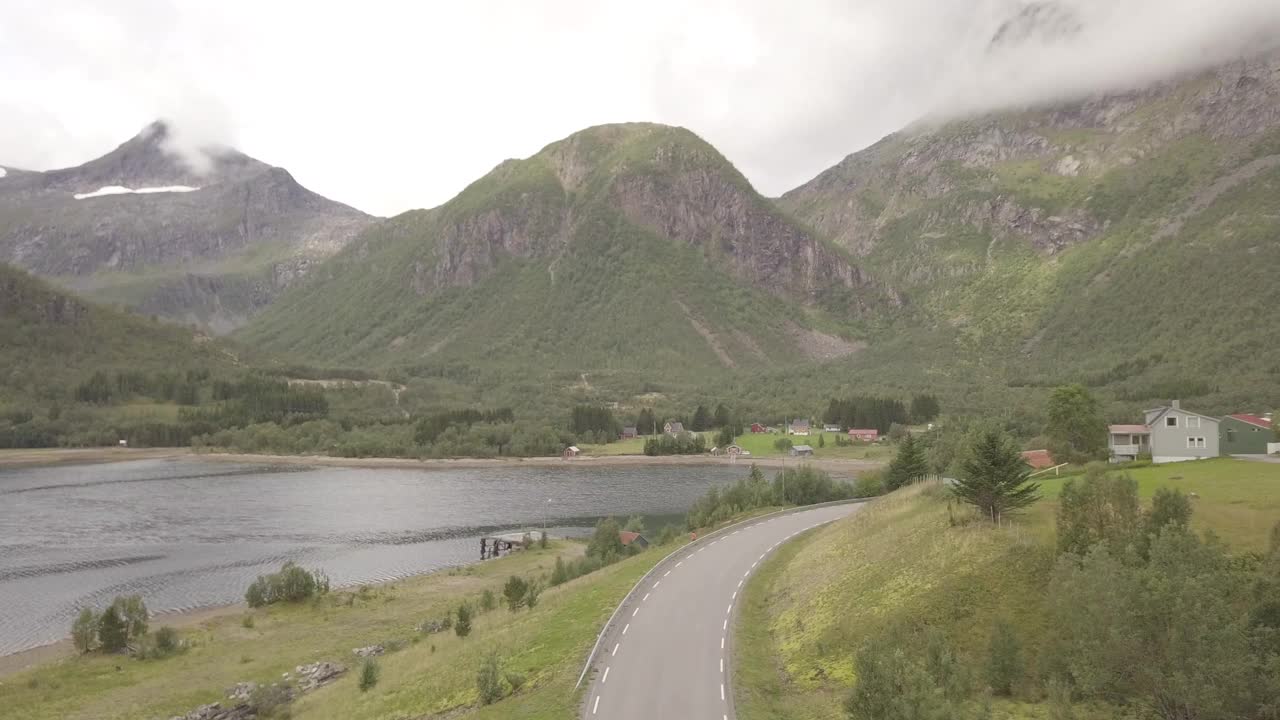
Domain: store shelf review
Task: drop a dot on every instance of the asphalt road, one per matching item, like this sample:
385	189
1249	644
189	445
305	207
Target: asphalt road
666	658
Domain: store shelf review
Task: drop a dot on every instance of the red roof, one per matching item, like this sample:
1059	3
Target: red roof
872	432
1254	420
628	537
1129	429
1038	458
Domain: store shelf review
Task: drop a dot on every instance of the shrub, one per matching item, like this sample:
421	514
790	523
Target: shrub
1004	659
514	591
1060	707
489	680
463	626
560	573
369	672
869	484
515	680
84	631
247	621
166	640
782	444
532	594
606	543
668	534
542	540
113	632
291	584
893	686
488	601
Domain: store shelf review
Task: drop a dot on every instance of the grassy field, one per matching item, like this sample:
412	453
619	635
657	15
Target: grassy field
762	445
432	674
901	562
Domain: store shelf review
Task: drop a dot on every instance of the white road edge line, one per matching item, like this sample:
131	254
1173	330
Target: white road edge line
728	609
735	595
726	625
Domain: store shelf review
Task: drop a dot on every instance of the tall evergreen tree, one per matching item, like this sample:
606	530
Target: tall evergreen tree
995	478
721	416
924	408
909	465
701	419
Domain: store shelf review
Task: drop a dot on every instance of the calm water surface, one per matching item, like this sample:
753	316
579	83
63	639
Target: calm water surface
186	533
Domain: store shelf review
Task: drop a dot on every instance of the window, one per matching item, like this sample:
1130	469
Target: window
1171	421
1193	422
1231	435
1195	442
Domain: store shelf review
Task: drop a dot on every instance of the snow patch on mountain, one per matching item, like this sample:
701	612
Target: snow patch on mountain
120	190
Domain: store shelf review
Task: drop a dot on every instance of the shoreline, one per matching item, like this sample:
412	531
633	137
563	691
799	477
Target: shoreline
77	456
15	662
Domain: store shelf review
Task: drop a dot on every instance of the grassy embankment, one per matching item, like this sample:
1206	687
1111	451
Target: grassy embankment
900	561
433	674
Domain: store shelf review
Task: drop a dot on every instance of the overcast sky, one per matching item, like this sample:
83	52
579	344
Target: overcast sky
394	105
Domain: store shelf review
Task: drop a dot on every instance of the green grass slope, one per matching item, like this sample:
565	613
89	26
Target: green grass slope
900	562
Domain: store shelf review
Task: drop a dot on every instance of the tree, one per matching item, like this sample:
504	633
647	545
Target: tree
1168	507
113	633
821	441
646	422
134	613
84	631
635	524
721	418
908	466
1076	429
994	478
514	591
463	625
606	543
1101	509
487	600
369	672
924	408
701	419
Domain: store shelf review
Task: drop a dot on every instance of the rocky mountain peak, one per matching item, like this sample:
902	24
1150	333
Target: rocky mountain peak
1043	22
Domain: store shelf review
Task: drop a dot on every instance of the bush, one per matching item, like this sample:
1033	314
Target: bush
488	601
668	534
515	680
532	594
542	540
247	621
514	591
84	631
869	484
133	612
166	640
782	444
1004	659
463	626
606	543
291	584
1103	508
489	680
369	672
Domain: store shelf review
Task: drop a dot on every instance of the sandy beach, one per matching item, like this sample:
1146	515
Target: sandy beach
57	456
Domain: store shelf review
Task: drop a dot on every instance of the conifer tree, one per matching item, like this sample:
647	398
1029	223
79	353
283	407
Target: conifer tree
995	478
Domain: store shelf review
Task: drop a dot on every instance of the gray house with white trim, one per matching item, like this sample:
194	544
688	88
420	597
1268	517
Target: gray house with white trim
1178	434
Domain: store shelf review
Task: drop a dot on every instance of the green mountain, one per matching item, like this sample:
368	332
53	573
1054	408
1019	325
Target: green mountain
53	340
1129	241
142	228
634	248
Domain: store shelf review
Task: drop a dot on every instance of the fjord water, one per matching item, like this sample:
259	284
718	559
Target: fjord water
189	533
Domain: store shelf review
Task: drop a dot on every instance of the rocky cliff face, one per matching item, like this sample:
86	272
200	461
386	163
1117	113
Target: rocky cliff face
1030	175
138	226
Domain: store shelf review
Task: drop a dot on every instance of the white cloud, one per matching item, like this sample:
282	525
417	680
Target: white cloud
389	105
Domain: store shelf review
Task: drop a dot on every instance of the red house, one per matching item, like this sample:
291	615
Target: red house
864	434
758	428
1038	459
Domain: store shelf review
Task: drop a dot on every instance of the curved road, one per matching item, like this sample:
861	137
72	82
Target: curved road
667	654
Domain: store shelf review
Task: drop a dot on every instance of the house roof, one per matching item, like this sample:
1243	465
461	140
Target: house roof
629	428
1038	459
573	448
863	431
802	448
1253	420
1129	429
629	537
799	423
676	426
1162	411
